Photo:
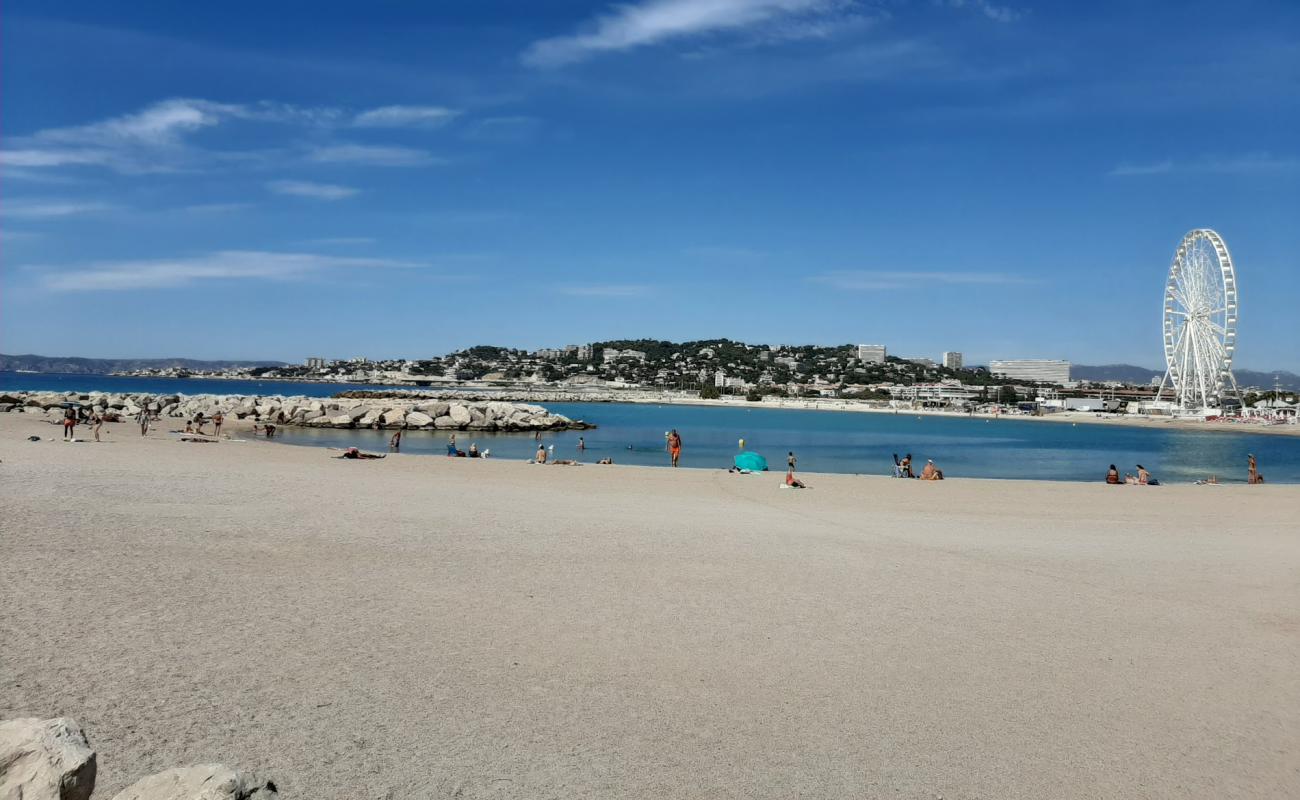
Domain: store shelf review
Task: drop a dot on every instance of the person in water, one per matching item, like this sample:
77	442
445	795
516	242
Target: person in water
395	443
675	445
582	445
1112	475
1252	470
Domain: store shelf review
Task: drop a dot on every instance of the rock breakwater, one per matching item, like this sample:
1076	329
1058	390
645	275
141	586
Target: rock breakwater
387	413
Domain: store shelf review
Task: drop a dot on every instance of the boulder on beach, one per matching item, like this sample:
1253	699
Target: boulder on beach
200	782
45	759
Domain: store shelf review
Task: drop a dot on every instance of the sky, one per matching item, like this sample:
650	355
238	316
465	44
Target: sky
398	180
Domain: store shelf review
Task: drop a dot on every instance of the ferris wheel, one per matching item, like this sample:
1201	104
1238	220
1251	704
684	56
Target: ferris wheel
1200	322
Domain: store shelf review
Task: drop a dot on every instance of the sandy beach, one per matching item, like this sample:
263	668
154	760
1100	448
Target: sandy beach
431	627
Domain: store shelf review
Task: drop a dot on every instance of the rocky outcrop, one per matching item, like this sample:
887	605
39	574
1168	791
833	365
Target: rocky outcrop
45	759
200	782
395	413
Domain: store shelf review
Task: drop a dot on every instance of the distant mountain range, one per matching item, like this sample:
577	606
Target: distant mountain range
99	366
1131	374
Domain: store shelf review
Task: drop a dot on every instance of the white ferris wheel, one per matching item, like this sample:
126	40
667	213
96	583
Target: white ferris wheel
1200	322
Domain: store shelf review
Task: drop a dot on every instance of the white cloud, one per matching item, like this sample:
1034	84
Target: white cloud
223	265
51	209
871	280
405	117
655	21
1251	163
994	12
607	290
373	155
319	191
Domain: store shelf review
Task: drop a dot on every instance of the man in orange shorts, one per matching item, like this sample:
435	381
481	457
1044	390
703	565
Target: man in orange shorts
675	445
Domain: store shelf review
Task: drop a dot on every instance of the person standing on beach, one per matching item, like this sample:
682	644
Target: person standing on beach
217	419
790	461
69	423
98	421
675	445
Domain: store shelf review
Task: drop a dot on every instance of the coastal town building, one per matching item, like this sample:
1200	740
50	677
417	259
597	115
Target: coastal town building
871	353
315	362
952	360
611	354
1032	369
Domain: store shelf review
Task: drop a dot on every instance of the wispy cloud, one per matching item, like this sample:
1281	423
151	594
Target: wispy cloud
319	191
216	208
872	280
405	117
995	12
150	140
222	265
373	155
606	290
503	130
51	209
657	21
1251	163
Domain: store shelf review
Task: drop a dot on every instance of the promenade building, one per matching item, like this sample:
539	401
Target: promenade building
952	360
1032	369
871	353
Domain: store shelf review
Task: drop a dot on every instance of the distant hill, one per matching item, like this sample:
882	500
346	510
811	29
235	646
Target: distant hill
99	366
1140	375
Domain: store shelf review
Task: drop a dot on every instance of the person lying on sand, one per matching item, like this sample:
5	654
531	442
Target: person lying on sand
792	481
353	452
565	462
606	460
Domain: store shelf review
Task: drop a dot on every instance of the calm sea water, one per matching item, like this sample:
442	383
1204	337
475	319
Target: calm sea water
824	441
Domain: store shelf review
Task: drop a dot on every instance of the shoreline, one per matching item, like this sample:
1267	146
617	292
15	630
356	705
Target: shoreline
636	397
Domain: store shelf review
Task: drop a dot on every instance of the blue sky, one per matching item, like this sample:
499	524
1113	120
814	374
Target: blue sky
278	180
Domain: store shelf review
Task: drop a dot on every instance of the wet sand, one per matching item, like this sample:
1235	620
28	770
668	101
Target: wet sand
430	627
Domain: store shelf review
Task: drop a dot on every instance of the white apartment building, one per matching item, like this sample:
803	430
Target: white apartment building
1032	369
871	353
952	360
613	354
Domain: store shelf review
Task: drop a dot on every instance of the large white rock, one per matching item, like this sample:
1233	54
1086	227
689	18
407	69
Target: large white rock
434	410
45	759
459	415
200	782
418	419
341	421
444	423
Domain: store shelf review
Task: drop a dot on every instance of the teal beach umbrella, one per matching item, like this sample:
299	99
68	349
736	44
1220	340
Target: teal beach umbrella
750	461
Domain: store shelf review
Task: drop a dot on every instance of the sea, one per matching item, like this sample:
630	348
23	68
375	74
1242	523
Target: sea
822	441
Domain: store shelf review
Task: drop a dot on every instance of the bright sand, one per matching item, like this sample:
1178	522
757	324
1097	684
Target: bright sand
430	627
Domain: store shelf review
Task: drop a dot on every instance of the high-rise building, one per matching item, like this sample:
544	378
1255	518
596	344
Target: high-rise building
871	353
1032	369
952	360
315	362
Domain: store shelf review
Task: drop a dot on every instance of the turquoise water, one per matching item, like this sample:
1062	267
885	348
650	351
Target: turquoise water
824	441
